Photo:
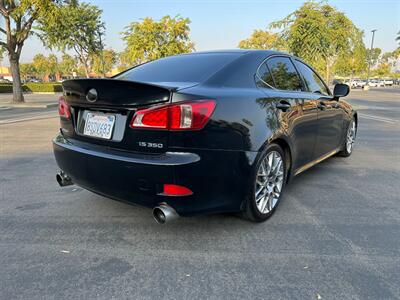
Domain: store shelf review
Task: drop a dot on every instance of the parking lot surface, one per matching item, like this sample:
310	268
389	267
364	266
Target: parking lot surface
335	235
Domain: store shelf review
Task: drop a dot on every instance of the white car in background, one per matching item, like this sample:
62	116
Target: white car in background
361	83
388	81
376	83
355	83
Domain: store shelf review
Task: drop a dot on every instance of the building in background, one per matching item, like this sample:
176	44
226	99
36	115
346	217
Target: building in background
5	73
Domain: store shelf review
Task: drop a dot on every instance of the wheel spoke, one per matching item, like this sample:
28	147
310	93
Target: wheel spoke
259	191
263	171
278	167
264	204
266	166
270	160
270	203
278	188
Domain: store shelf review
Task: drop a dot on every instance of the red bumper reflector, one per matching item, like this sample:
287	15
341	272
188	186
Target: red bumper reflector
63	108
176	190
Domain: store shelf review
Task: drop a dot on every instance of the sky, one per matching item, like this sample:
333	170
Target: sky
221	24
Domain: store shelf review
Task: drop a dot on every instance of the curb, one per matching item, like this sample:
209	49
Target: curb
28	105
35	93
33	118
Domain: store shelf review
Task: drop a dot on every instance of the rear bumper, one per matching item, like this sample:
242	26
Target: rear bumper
218	179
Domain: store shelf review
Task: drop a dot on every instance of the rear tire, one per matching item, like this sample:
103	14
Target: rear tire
350	139
266	185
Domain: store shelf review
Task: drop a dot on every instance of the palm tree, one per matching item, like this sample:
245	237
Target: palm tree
398	37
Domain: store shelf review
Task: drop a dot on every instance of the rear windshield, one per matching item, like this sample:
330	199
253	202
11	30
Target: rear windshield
181	68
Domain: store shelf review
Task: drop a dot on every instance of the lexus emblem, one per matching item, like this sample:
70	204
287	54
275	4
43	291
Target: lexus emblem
91	95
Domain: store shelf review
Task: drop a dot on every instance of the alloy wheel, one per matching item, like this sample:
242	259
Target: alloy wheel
351	136
269	182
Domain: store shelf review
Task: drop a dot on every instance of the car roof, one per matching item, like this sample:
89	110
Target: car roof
243	51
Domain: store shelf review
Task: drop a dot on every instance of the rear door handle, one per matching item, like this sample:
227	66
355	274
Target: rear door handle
283	105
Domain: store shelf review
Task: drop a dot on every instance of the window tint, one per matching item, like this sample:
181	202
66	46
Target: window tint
313	82
181	68
265	75
284	74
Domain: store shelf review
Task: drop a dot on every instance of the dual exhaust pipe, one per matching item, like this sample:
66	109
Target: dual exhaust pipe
162	213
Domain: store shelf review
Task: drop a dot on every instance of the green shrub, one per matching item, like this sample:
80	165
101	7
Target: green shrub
6	88
46	87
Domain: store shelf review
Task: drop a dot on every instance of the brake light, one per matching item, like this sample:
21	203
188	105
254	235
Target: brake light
191	115
176	190
63	108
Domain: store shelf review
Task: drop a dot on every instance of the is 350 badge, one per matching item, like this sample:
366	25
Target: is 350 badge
151	145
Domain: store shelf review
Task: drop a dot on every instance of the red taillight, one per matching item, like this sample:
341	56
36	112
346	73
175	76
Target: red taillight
176	190
63	108
191	115
152	118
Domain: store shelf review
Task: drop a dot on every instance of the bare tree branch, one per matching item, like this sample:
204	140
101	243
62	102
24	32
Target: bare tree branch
3	10
9	35
26	28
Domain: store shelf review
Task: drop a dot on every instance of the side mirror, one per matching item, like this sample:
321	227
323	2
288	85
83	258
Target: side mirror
340	90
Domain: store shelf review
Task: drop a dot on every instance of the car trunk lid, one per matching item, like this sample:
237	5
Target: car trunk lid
113	93
117	101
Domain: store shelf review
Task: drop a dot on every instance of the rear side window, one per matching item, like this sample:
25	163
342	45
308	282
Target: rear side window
284	74
181	68
265	75
311	79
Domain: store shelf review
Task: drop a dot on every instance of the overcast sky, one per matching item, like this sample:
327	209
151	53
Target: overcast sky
221	24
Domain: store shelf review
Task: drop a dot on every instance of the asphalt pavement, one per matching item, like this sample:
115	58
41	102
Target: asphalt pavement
335	235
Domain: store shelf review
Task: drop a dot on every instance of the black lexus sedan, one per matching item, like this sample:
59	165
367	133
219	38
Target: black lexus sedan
201	133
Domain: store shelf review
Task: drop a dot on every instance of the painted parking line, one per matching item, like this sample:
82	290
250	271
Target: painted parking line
380	119
32	118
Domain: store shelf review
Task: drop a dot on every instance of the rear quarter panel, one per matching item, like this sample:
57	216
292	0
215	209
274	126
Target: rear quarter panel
243	120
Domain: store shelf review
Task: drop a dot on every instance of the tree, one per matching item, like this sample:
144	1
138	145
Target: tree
318	33
398	37
354	60
382	70
261	39
150	40
27	70
80	30
40	64
396	53
104	62
68	65
19	16
373	56
53	67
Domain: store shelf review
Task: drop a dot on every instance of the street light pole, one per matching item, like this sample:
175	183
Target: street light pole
370	53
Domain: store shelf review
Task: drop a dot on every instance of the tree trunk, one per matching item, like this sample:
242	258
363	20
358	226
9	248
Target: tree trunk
84	61
86	70
18	97
328	72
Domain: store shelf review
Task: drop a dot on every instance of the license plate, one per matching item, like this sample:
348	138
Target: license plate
99	125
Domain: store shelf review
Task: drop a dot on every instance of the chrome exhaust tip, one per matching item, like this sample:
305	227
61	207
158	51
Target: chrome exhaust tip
63	179
164	213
